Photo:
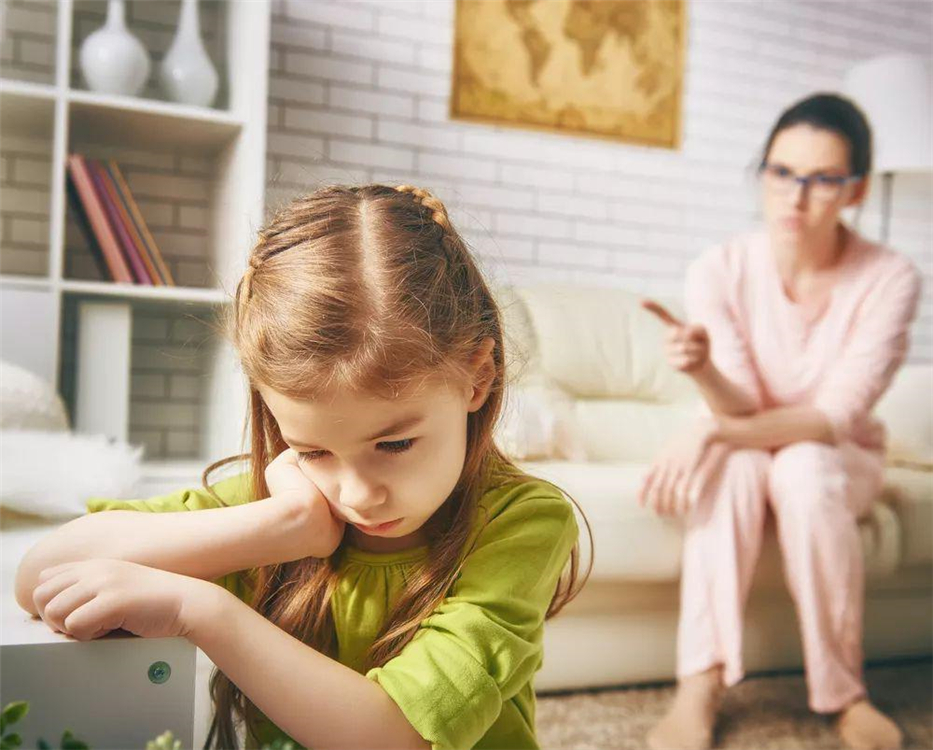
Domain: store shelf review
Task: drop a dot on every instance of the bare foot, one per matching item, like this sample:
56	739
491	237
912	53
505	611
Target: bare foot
864	727
688	723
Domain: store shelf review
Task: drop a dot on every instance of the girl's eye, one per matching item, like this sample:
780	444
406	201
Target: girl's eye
310	455
390	446
396	446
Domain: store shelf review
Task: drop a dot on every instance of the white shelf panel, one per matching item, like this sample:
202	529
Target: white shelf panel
42	283
27	108
132	121
170	294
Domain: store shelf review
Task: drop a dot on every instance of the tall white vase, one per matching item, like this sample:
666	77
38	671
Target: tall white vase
112	60
187	74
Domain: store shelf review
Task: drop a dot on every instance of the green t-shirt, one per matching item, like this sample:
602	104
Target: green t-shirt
465	680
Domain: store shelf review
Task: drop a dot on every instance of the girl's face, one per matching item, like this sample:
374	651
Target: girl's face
385	466
796	215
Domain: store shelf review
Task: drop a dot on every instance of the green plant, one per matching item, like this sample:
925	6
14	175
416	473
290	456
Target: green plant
13	712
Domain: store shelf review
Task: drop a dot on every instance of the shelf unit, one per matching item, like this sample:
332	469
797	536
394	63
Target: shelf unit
150	361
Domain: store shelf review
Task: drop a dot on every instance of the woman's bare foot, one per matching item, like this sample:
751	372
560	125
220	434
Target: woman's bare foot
688	723
864	727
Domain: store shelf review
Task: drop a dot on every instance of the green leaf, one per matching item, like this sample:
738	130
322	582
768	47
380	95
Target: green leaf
70	742
12	713
43	745
12	740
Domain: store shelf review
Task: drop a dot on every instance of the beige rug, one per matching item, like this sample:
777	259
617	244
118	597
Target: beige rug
761	713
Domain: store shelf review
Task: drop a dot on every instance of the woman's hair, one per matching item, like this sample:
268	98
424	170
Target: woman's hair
369	289
833	113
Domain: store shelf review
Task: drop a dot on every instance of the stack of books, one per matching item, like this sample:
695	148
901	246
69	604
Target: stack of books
120	240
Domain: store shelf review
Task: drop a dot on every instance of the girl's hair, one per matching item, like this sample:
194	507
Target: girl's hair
836	114
369	289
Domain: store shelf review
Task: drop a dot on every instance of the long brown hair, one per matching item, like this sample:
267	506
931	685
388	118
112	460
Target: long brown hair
372	289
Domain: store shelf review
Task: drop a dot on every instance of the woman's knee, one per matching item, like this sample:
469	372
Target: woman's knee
807	477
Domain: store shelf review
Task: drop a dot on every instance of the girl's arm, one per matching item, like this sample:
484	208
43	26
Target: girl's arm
204	544
312	698
775	428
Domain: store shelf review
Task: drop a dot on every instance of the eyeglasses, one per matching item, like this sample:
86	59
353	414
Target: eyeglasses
820	187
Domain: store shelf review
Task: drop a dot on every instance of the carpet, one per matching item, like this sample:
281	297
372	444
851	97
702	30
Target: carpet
762	713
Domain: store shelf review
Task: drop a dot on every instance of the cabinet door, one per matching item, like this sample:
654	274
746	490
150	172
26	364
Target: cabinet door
28	330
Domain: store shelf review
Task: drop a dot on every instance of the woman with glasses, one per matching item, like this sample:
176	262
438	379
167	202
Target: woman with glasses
792	335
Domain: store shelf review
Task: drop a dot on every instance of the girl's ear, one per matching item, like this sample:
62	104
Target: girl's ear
483	368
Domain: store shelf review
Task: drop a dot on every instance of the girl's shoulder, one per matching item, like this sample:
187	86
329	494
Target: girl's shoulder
518	496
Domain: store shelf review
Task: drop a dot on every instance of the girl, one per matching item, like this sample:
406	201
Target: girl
386	571
795	333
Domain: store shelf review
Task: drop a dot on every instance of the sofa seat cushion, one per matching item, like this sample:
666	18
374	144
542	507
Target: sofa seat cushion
634	544
909	492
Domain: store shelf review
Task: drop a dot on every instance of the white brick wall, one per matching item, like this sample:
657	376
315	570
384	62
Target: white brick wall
359	91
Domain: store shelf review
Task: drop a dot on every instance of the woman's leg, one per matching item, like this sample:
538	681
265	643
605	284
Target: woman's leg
721	548
818	493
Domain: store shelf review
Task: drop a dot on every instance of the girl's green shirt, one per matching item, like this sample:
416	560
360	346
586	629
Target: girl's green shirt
466	678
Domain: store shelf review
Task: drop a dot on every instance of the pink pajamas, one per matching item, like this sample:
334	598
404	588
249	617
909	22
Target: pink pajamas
840	362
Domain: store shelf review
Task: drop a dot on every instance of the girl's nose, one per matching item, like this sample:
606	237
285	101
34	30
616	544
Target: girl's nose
360	493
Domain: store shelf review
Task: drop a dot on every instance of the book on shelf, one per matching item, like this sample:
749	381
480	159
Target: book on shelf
146	241
118	233
97	220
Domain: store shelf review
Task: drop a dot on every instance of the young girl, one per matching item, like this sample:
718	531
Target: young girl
385	571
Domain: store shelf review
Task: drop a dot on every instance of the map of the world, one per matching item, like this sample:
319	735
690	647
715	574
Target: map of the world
611	68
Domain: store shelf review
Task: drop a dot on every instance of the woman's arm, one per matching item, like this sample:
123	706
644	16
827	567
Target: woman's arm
204	544
775	428
314	699
722	395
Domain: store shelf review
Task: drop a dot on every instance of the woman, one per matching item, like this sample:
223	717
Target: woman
794	333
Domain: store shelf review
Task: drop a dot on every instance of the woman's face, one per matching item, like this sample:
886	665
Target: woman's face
796	215
385	466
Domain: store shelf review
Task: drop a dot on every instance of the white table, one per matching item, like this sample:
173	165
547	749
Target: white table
113	692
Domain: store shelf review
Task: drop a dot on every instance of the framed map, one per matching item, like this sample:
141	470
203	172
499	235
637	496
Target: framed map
606	68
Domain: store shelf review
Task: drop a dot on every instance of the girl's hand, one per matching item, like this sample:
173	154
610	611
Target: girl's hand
687	345
322	530
89	598
683	472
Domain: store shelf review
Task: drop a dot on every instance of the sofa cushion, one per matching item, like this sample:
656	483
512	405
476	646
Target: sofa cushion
634	544
906	411
909	493
596	343
629	431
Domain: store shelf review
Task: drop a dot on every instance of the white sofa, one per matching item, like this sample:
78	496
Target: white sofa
594	401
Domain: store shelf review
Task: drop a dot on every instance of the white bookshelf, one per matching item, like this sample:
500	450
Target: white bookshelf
199	176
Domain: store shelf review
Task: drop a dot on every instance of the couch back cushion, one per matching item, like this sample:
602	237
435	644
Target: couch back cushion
907	412
593	343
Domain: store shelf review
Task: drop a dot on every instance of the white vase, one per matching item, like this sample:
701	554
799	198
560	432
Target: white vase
187	74
112	60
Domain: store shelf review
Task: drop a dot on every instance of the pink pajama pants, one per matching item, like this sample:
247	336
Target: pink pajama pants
817	493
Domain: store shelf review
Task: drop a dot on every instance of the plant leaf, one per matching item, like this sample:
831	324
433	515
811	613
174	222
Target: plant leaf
13	712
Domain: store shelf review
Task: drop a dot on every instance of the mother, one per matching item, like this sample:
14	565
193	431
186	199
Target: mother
794	333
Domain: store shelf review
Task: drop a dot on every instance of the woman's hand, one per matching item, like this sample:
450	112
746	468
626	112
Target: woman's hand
89	598
321	530
687	345
684	470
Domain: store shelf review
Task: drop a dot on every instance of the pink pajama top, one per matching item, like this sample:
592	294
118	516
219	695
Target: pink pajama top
839	360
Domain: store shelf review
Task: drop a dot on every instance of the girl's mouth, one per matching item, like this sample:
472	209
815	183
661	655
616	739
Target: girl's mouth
380	528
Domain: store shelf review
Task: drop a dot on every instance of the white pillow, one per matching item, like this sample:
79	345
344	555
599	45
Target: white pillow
538	422
52	474
907	411
27	402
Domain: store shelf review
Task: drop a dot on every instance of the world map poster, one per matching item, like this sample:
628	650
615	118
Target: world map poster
607	68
